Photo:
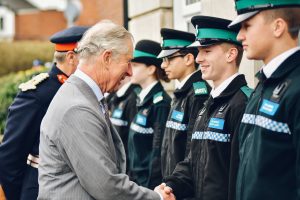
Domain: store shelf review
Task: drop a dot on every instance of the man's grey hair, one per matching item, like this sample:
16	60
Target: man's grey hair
105	35
60	57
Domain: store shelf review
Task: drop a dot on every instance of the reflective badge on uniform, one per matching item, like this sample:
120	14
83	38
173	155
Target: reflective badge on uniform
177	115
200	88
117	113
269	107
141	120
216	123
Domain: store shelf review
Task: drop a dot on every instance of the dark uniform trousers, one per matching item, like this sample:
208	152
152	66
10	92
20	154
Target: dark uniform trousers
186	103
270	137
123	109
209	172
21	138
145	137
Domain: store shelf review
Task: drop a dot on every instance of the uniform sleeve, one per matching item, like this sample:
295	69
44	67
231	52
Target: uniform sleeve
160	117
85	146
22	130
195	103
235	118
181	179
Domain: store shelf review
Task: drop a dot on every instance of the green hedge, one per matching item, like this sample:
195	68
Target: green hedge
9	88
16	56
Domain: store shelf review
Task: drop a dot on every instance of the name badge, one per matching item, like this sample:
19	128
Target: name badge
117	113
141	120
216	123
269	107
177	115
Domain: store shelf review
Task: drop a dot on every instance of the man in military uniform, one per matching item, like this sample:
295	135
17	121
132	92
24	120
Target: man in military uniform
269	133
190	94
209	172
19	151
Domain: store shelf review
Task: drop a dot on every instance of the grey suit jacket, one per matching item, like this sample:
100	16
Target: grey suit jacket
81	155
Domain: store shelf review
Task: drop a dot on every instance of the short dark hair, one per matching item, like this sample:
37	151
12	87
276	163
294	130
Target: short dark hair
193	51
291	15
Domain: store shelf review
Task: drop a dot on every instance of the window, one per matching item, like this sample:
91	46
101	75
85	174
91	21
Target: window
189	2
1	23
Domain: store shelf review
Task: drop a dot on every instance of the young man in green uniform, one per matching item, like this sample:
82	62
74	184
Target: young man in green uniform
189	96
209	172
269	133
147	128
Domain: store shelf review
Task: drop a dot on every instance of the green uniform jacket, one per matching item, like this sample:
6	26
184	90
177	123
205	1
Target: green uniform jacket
145	137
270	137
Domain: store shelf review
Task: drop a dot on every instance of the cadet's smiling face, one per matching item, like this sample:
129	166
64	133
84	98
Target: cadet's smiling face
139	73
256	37
212	60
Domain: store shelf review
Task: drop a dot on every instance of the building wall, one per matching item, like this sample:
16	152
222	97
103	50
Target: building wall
147	17
7	30
95	10
38	25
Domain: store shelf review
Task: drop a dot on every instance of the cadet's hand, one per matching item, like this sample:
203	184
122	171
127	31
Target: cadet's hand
165	191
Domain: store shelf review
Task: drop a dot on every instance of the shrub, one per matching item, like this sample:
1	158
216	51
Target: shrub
9	88
16	56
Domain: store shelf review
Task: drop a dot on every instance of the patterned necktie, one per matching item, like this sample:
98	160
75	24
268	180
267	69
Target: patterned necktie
105	107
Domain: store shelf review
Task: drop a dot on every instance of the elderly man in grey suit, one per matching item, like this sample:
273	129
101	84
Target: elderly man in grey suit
81	154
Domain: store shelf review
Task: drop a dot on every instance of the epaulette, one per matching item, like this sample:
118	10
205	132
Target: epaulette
247	91
200	88
32	83
158	97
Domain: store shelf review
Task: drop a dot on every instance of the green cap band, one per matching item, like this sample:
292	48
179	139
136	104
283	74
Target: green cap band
175	42
210	33
138	53
259	4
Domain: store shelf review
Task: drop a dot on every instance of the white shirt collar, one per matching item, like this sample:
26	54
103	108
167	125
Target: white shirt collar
145	91
123	89
179	84
271	67
215	92
91	83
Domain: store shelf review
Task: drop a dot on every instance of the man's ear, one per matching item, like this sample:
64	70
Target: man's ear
106	57
279	26
231	54
71	55
189	59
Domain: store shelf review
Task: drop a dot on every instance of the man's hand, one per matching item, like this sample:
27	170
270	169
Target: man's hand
165	191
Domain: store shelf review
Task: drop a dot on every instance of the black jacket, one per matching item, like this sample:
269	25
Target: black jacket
186	103
210	169
21	137
145	137
122	111
270	137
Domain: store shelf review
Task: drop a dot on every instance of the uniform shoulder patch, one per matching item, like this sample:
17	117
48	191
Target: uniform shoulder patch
247	91
32	83
200	88
158	97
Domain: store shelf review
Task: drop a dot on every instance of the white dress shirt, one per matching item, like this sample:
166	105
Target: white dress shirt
145	91
215	92
180	84
123	89
271	67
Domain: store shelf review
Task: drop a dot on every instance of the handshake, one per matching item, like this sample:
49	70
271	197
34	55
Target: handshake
165	192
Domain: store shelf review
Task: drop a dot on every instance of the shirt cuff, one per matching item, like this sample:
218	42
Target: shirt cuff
161	197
